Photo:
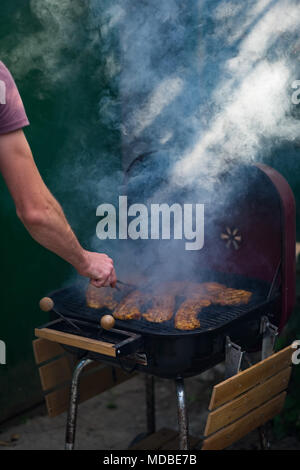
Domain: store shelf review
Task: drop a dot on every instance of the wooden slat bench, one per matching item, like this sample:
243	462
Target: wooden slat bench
247	400
55	369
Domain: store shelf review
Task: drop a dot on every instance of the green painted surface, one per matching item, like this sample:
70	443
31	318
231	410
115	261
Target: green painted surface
61	88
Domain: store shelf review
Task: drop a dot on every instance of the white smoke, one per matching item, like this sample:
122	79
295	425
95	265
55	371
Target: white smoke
164	94
254	114
208	80
59	26
254	93
232	65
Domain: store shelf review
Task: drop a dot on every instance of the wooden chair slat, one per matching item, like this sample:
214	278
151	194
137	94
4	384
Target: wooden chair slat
45	350
235	431
253	398
243	381
55	373
58	401
91	384
100	381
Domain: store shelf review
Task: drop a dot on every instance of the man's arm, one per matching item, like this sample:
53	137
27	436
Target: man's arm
41	213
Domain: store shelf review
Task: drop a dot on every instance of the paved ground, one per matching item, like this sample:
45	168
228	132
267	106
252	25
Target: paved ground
113	419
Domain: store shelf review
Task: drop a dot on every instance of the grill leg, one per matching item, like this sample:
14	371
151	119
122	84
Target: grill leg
150	403
263	438
73	404
182	415
269	332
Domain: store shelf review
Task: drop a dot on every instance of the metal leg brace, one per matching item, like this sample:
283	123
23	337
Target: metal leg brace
182	415
150	403
73	405
269	332
233	358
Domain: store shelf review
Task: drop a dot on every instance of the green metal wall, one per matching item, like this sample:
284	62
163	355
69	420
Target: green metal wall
54	56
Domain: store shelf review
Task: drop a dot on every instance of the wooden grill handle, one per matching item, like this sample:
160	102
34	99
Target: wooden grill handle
107	322
46	304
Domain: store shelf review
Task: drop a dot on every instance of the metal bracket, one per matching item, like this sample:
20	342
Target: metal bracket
269	332
233	358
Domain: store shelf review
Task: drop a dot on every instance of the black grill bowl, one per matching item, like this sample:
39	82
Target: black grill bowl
172	353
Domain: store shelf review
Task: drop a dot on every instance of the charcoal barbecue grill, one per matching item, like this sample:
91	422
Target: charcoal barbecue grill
159	348
264	264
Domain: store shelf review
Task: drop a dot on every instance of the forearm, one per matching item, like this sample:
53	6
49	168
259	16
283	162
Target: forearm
48	226
43	216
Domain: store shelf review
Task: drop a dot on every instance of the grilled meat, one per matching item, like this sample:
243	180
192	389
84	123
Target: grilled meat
186	317
203	289
158	306
129	307
221	295
204	295
232	297
161	309
100	297
213	287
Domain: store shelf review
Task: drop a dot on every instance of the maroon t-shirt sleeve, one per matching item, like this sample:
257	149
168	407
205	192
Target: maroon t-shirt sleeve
12	112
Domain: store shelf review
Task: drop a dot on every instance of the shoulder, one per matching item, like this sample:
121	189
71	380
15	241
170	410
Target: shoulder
7	84
12	112
5	76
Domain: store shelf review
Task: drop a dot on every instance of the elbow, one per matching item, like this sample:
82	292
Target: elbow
33	216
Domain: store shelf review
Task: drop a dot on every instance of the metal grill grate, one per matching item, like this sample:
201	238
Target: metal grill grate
71	303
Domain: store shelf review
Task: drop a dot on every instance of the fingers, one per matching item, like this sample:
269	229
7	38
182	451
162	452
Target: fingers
113	278
101	282
101	270
96	282
108	278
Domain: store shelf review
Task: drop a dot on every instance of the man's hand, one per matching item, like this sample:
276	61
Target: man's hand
99	268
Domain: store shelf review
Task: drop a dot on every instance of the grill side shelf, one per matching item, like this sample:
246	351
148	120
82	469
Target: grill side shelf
80	342
131	343
121	343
